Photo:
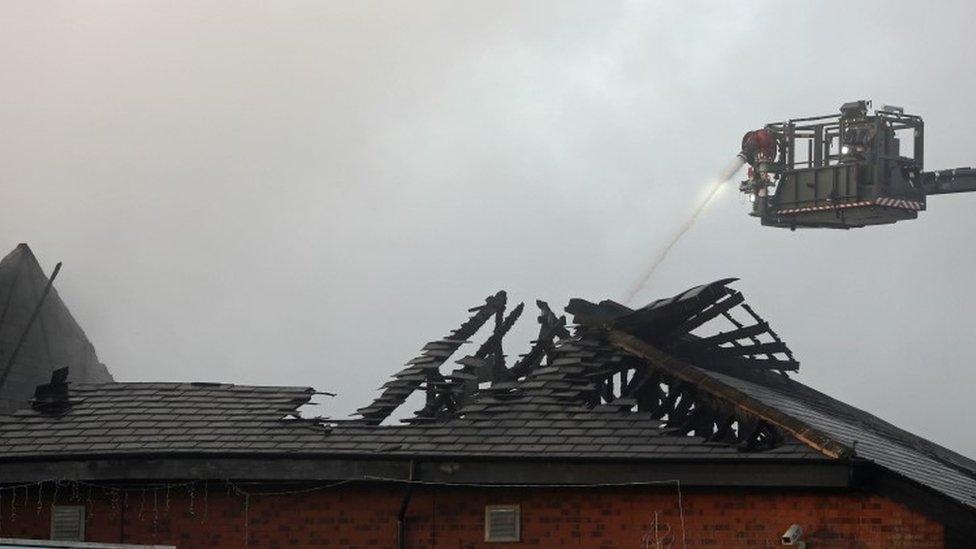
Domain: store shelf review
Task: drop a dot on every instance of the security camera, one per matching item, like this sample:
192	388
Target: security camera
792	535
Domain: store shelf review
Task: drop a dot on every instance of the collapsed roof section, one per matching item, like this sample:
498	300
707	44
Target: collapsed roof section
685	326
583	370
445	395
662	371
38	334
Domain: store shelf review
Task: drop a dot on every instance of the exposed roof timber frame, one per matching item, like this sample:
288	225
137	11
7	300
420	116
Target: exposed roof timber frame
669	323
688	410
446	395
551	328
713	311
713	351
731	336
435	353
488	365
493	345
739	400
759	321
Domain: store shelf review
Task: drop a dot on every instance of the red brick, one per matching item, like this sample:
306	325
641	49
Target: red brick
365	516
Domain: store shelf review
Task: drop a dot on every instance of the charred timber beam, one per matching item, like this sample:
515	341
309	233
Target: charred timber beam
487	363
666	406
704	422
606	391
501	328
712	312
741	402
648	395
683	406
434	355
636	384
724	431
754	349
772	333
755	363
551	327
721	338
753	338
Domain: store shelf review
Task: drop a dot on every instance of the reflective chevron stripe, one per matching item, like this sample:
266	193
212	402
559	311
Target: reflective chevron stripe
825	208
886	202
903	204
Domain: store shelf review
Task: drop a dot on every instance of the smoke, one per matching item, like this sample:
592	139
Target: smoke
713	187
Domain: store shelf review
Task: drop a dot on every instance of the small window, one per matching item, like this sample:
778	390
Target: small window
503	523
68	523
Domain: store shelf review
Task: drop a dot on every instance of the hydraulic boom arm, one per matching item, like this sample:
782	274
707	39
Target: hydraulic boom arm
959	180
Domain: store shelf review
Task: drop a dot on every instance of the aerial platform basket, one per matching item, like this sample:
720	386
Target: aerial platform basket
845	170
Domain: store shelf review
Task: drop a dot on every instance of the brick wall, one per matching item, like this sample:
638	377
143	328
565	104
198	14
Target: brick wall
365	516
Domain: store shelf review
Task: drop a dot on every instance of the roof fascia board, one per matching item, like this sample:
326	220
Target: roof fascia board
745	473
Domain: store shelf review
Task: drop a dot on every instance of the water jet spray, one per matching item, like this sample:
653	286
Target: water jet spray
711	191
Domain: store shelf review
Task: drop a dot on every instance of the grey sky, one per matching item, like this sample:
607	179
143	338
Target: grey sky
305	193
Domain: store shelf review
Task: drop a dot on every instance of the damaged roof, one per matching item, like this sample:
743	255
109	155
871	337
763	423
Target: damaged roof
182	418
699	377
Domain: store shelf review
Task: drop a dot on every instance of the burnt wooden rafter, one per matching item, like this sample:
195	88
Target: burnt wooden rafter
519	382
741	332
588	369
426	367
739	349
770	423
769	331
679	325
446	397
684	408
751	349
732	299
551	328
447	394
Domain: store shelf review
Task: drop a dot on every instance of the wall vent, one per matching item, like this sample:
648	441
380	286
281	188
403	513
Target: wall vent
68	523
503	523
